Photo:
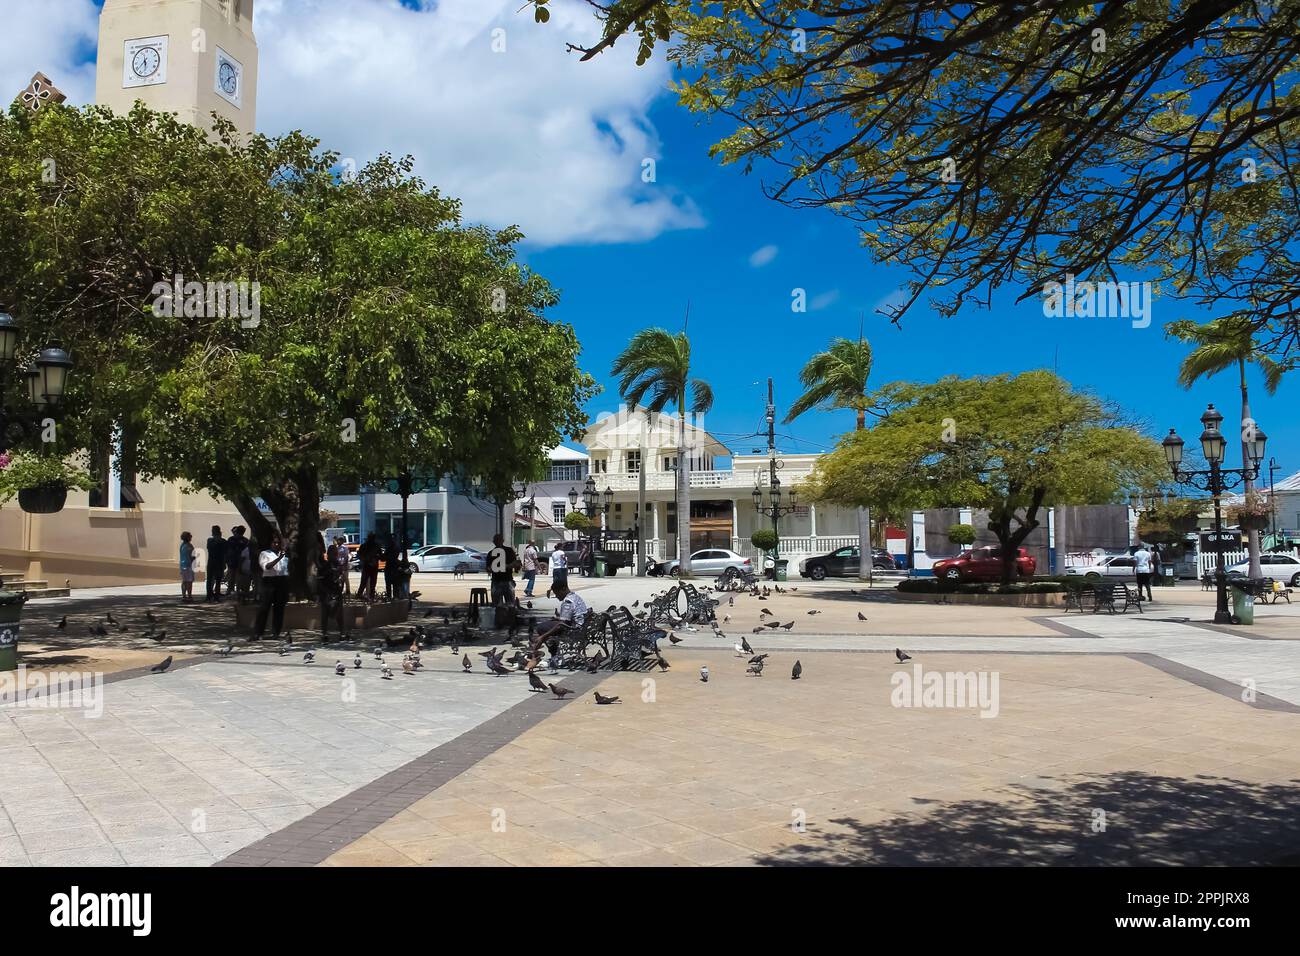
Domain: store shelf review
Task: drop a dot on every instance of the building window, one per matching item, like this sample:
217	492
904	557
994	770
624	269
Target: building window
670	463
634	462
558	511
569	471
600	466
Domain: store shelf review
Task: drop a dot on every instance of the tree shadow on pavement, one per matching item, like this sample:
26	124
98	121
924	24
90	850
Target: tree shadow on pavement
1148	821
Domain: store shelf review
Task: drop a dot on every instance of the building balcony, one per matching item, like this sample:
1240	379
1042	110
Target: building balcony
739	481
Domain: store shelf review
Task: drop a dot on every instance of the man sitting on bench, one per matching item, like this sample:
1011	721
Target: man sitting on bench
571	615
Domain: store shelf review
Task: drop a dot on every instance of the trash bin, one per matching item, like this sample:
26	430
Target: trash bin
1243	604
11	612
600	567
781	569
487	617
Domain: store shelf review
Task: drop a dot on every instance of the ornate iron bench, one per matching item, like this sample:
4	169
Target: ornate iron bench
572	646
631	638
1076	598
699	608
1108	595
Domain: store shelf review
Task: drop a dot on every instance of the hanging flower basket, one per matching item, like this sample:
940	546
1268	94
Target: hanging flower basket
1253	514
43	499
1253	522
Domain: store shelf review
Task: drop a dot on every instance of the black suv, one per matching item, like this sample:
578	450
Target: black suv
843	563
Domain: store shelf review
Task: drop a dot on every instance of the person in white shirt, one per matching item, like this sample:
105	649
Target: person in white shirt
530	567
274	562
571	615
1142	565
559	569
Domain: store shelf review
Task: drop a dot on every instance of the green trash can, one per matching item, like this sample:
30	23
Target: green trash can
1243	605
781	567
11	613
600	567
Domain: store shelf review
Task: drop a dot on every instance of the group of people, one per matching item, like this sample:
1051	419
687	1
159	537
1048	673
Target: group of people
229	563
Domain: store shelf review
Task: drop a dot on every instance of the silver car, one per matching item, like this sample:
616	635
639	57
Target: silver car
448	557
711	562
1279	567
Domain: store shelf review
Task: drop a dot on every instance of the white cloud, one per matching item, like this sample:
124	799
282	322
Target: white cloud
529	136
825	299
54	37
762	256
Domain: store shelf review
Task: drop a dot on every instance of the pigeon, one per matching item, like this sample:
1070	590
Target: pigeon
226	651
765	612
772	625
602	699
731	601
704	673
674	639
636	603
786	627
726	618
740	651
901	656
663	664
356	661
814	611
110	619
465	664
496	667
340	668
758	658
488	654
560	692
861	616
757	630
386	672
755	669
63	624
309	657
797	671
553	664
378	651
98	630
535	683
160	636
161	668
408	667
744	646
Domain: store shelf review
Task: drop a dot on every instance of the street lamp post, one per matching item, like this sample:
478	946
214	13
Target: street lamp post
518	491
774	508
47	379
593	503
1216	480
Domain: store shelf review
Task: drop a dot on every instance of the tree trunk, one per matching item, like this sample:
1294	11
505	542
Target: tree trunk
1000	525
683	496
259	526
1255	571
295	502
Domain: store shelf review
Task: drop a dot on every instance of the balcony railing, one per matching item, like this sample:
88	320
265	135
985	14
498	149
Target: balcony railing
742	480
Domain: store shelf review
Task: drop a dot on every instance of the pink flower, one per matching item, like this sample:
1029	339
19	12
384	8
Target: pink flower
5	459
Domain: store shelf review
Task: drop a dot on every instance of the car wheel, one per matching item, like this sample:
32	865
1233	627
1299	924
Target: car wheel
817	572
413	568
675	571
1092	576
952	574
1295	580
610	572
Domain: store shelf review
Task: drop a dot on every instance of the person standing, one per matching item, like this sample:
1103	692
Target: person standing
559	568
531	558
393	571
187	566
368	554
329	588
1142	565
501	562
343	563
216	566
274	563
236	544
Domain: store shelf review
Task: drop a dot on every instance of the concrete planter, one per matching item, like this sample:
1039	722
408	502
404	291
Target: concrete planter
1042	599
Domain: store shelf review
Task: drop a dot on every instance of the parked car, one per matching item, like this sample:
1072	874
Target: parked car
447	557
1116	566
1279	567
615	556
844	563
710	562
982	564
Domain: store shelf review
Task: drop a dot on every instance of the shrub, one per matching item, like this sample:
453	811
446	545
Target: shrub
961	534
764	539
577	521
28	470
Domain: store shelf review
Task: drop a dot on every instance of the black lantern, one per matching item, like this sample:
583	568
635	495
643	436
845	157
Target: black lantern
1255	443
608	496
758	497
1173	446
9	329
1213	444
573	497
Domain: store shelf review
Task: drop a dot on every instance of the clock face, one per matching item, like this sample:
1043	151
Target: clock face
146	62
229	78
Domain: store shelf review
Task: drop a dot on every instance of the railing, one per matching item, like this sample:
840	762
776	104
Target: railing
728	478
796	547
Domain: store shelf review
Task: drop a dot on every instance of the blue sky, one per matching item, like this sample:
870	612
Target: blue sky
535	138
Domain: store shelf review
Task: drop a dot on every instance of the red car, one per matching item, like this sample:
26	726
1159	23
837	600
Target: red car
982	564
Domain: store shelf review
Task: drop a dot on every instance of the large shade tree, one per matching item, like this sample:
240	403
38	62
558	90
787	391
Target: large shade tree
986	143
1010	444
391	338
654	371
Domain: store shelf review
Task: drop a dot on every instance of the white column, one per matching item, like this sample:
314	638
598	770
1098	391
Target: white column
654	507
812	520
114	489
735	520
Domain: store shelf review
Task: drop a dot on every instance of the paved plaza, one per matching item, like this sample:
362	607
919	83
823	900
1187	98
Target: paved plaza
1127	739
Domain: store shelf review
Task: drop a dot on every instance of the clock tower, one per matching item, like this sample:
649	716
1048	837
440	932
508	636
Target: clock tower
188	57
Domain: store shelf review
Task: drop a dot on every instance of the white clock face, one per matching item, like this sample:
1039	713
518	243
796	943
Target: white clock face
229	80
144	62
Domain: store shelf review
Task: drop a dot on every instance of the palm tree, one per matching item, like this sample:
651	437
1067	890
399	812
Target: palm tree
657	364
1221	344
837	379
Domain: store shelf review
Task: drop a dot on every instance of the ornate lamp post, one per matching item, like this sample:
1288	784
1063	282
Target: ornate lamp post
593	503
47	380
776	506
1216	479
480	489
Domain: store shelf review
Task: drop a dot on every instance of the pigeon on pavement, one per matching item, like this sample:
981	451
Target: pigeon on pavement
797	671
861	616
161	667
560	692
466	664
356	661
309	657
602	699
535	683
704	673
62	625
901	656
744	646
340	668
674	639
386	672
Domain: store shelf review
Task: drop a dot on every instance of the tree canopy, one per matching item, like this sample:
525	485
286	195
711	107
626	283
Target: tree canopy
981	144
390	336
1010	444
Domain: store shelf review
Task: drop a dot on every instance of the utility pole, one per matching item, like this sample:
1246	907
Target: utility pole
640	505
771	464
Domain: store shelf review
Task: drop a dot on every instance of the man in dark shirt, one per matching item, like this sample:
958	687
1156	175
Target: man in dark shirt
501	562
235	546
216	563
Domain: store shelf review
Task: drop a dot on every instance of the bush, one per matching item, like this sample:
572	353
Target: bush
961	534
29	470
577	521
764	539
936	586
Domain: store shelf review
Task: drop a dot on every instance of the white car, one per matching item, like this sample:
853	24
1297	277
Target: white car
711	562
447	557
1279	567
1116	566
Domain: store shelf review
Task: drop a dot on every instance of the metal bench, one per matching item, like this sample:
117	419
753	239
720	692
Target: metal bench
573	645
1108	595
699	608
1076	598
630	639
